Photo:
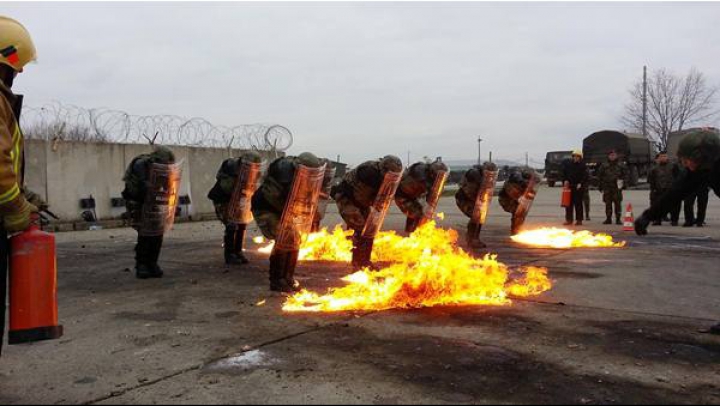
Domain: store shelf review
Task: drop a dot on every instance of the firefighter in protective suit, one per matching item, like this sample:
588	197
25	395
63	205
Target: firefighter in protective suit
474	198
699	153
269	204
235	184
517	195
421	180
356	197
16	204
137	182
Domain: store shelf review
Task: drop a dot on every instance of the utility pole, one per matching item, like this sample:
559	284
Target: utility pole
644	101
479	151
407	163
490	157
527	160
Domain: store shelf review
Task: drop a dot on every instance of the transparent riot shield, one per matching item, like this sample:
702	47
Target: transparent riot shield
434	194
248	178
484	197
380	207
525	204
161	199
300	207
324	199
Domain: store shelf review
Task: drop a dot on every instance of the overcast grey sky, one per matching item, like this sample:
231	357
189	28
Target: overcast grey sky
366	79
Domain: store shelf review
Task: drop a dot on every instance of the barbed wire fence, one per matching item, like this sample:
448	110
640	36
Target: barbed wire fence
63	122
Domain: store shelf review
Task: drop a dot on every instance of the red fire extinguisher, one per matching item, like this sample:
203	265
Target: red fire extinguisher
566	200
33	287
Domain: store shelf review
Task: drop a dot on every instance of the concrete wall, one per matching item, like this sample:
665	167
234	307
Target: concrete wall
65	172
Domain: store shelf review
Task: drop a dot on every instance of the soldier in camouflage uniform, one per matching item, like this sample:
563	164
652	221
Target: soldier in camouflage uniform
699	153
268	204
466	198
147	249
661	179
221	194
355	196
612	176
513	189
416	183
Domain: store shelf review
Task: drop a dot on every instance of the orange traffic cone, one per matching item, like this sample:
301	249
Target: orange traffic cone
629	223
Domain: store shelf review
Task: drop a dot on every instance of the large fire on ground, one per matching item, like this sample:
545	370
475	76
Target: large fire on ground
425	269
564	238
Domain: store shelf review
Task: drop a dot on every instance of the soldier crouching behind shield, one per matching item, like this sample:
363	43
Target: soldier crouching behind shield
151	190
232	193
474	198
421	180
363	199
284	207
518	194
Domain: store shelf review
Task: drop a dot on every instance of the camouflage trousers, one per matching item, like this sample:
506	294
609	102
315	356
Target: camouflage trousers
412	208
221	212
465	204
508	204
268	221
354	215
613	200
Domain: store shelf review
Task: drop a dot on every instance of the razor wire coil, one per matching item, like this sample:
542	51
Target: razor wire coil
65	122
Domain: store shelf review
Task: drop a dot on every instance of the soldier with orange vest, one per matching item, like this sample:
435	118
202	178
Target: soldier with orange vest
16	51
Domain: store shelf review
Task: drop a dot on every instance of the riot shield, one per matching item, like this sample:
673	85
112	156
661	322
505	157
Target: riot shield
324	198
380	207
300	207
484	197
161	199
433	196
248	177
524	204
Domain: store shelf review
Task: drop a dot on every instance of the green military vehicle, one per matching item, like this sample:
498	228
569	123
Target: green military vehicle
634	150
553	166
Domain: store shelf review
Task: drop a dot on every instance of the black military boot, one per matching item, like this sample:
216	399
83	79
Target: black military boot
147	252
618	220
608	221
290	265
277	272
715	329
473	236
362	253
233	242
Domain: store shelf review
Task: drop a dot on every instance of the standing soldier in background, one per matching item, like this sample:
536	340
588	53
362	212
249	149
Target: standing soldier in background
151	190
612	176
361	190
517	195
474	198
661	179
699	153
325	194
284	208
421	180
575	177
16	51
231	195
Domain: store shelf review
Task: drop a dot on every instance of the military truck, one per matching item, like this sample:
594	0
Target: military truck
636	151
553	166
674	138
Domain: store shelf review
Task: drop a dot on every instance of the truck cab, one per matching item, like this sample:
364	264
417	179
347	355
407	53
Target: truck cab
553	166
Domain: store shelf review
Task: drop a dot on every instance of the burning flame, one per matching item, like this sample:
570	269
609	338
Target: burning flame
428	269
564	238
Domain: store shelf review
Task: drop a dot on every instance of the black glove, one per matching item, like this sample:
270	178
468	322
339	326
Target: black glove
641	224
